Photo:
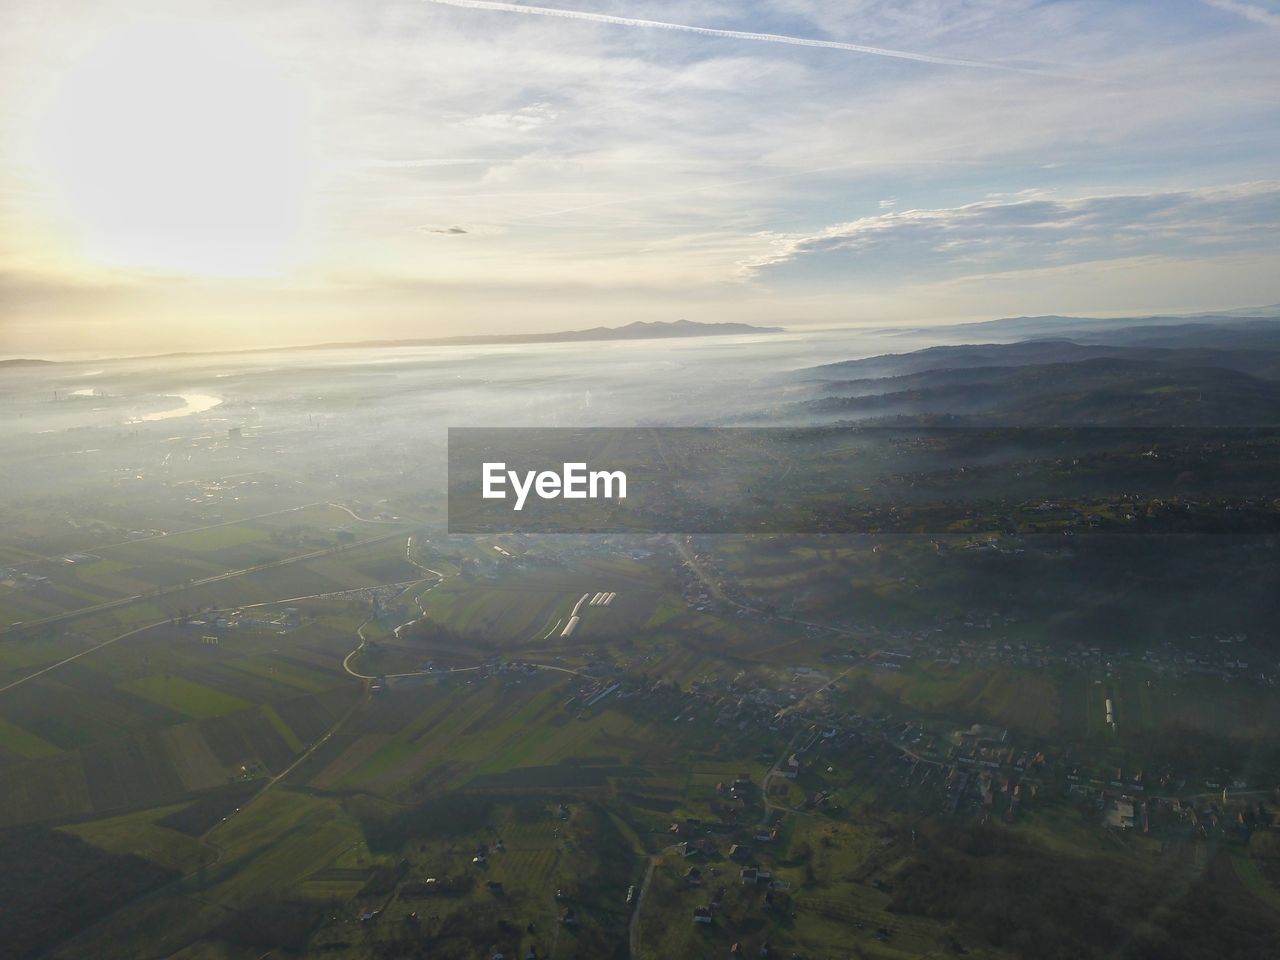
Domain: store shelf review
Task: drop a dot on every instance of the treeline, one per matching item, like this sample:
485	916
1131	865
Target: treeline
274	922
450	815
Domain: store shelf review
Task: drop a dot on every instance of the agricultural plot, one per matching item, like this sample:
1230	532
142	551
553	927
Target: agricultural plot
310	717
443	728
143	834
118	770
282	668
193	760
68	711
128	773
1021	700
322	642
277	843
493	735
185	696
19	605
138	566
20	743
510	614
50	789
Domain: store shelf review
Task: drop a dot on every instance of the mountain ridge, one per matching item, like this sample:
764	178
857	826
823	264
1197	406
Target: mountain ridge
636	330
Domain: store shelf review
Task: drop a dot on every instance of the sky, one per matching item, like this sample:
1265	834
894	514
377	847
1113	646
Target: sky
192	175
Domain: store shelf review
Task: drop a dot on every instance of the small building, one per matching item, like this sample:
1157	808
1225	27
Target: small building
1121	814
701	914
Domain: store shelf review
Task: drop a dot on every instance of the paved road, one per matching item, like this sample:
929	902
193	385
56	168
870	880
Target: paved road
83	653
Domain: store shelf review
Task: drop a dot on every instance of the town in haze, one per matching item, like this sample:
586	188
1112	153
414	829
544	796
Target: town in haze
927	360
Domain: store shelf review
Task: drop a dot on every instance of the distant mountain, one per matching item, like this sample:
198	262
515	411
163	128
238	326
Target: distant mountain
1088	392
1271	310
1053	325
1251	347
1194	374
24	362
639	330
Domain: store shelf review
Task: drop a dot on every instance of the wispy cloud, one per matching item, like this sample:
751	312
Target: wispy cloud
522	120
1265	16
1033	230
427	162
606	18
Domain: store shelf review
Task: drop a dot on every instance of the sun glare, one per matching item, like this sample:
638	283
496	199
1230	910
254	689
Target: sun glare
179	149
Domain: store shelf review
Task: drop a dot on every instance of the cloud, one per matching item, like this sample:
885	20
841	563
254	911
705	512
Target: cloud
605	18
455	230
427	162
522	120
1250	11
1032	229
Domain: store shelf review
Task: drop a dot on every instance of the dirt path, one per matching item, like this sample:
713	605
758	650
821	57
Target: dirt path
633	928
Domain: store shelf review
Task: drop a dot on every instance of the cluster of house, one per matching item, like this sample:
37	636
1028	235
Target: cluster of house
1202	818
12	577
217	625
991	793
1221	655
979	763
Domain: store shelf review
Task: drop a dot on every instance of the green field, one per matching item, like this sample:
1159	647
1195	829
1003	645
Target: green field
185	696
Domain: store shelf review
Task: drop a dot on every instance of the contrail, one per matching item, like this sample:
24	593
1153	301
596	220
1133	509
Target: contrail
727	34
